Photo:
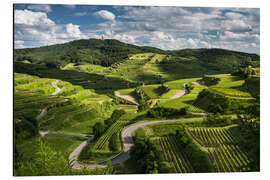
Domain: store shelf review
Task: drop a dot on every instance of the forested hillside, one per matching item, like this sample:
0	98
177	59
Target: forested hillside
108	52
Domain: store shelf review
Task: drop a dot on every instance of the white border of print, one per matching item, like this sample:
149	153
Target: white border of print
7	85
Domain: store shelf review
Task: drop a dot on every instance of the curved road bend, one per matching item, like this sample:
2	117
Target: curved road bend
127	142
54	84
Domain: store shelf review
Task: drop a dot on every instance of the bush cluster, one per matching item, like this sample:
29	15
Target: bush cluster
209	81
245	72
165	112
216	103
114	142
147	157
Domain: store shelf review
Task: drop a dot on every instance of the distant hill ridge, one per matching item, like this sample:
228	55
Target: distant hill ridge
109	51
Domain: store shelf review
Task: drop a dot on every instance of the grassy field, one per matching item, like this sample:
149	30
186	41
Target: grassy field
179	84
151	91
231	92
183	101
89	68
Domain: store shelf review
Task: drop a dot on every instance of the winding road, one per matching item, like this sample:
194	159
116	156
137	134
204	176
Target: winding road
54	84
44	110
127	142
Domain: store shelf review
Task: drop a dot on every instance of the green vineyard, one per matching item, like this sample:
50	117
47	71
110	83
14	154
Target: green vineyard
231	92
223	148
171	151
103	141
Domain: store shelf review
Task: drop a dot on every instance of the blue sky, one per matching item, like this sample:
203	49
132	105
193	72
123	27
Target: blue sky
163	27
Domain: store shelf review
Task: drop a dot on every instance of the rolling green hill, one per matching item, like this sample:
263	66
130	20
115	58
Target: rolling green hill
64	92
135	63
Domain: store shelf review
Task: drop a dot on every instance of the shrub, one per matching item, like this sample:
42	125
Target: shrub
114	117
244	72
165	112
216	119
47	162
98	129
188	87
209	81
216	103
162	89
147	157
114	142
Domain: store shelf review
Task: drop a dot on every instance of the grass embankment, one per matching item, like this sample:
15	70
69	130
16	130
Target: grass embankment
185	100
227	96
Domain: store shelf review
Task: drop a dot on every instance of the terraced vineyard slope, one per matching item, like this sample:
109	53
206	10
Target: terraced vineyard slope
222	147
103	141
171	152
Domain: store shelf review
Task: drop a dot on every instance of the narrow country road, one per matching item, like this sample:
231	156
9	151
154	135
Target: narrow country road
127	142
44	110
179	94
196	83
54	84
127	97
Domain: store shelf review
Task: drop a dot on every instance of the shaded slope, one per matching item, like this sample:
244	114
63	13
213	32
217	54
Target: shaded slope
99	83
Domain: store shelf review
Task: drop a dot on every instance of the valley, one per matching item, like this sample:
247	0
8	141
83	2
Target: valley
106	107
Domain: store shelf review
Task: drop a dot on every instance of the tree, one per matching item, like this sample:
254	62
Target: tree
98	129
147	157
109	169
114	117
46	162
114	142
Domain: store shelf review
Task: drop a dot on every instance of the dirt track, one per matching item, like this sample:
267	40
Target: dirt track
179	94
54	84
127	97
44	110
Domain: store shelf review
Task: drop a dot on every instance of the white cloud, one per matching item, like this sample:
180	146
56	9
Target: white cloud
73	31
31	18
40	7
163	27
244	37
125	38
237	25
105	15
19	44
234	15
38	28
193	42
